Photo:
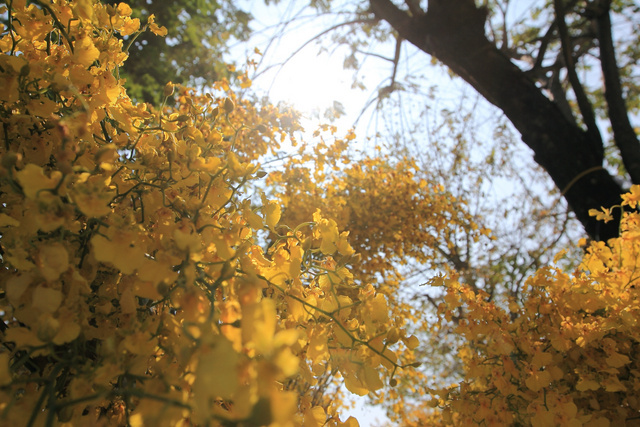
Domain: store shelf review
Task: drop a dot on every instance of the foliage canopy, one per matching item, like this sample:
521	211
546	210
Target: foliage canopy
146	279
564	75
199	33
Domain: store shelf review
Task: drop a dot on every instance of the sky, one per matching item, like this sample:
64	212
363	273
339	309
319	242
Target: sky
309	74
296	70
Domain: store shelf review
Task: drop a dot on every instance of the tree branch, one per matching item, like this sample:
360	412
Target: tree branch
559	95
396	60
586	110
453	32
624	135
314	38
544	44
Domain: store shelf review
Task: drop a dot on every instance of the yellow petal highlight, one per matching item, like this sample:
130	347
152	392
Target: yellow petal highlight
46	299
53	260
85	51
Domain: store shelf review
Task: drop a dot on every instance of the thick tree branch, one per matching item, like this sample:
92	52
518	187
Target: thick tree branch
559	96
453	32
624	135
586	109
414	7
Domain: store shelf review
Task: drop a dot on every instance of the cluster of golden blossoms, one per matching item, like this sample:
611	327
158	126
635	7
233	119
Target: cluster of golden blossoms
393	215
133	289
399	220
567	354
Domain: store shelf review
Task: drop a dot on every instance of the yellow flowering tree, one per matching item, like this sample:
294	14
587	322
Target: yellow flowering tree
560	351
402	222
134	289
391	212
146	279
565	354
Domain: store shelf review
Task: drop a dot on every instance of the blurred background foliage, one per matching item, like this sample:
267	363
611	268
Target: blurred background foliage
193	53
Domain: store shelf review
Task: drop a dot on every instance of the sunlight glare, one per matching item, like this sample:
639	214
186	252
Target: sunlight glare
312	82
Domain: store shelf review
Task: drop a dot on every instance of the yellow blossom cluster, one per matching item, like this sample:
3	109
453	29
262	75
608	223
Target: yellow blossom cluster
396	217
565	355
134	289
391	212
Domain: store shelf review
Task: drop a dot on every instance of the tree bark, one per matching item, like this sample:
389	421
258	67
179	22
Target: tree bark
623	133
453	32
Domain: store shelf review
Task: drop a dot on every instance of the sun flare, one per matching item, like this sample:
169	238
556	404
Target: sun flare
312	82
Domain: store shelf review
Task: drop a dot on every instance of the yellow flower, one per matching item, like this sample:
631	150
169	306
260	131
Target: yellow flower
632	198
216	376
158	31
85	51
35	183
92	194
538	380
130	26
53	260
585	384
84	9
601	215
121	248
617	360
124	9
46	299
273	211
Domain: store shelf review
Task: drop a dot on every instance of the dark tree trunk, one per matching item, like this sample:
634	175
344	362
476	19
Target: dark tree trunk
453	32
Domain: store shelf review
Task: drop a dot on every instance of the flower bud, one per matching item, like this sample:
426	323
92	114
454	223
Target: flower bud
169	88
228	106
393	336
